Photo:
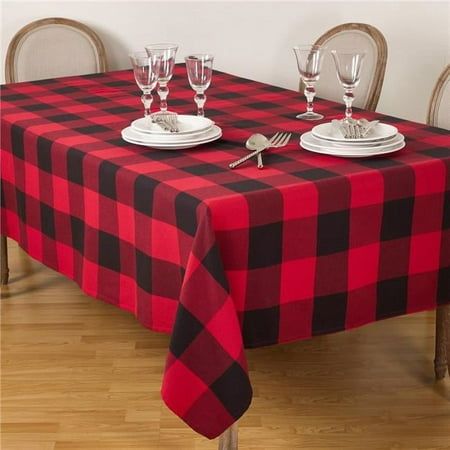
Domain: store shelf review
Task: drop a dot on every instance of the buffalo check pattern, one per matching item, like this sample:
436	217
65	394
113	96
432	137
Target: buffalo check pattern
223	260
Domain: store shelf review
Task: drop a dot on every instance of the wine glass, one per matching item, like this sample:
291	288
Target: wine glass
309	63
199	70
167	53
146	73
348	70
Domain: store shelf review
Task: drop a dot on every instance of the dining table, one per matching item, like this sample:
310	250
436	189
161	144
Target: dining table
222	260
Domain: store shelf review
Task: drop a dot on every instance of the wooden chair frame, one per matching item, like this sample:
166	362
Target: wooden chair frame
382	53
21	34
437	92
10	77
442	354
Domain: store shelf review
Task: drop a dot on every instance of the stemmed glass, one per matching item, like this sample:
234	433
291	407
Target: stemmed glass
309	62
348	70
199	70
167	53
146	73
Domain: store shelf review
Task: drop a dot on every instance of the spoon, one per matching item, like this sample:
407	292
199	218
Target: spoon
256	142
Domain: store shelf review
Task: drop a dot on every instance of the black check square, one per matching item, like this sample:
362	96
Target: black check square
397	218
66	90
21	205
437	152
120	110
261	326
265	245
204	169
333	232
77	230
37	107
14	97
75	165
186	212
235	381
183	336
314	174
92	99
329	313
17	141
107	179
246	185
262	105
108	251
228	95
119	83
392	297
443	292
144	271
47	220
247	124
92	129
63	118
144	188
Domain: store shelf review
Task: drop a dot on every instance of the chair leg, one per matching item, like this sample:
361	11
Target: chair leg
442	358
4	261
229	439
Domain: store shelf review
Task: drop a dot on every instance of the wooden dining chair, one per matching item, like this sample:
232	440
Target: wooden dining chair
49	48
349	36
439	107
54	47
439	116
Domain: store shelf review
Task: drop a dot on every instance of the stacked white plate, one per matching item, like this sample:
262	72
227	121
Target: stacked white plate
193	131
328	140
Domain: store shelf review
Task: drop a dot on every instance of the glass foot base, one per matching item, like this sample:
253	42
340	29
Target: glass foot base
309	116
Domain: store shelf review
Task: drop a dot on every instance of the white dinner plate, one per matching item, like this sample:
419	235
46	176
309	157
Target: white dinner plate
364	147
134	137
187	125
350	152
329	132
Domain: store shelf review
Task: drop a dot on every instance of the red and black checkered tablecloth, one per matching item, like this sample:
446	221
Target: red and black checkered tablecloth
223	260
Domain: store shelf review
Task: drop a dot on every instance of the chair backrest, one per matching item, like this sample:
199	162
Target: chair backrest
349	36
439	108
54	47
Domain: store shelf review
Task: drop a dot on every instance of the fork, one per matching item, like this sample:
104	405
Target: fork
167	121
277	140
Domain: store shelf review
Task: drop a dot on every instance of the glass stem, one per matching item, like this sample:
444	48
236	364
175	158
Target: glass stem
309	92
200	99
348	100
147	100
163	92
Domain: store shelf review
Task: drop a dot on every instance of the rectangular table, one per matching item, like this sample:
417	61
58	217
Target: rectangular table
223	260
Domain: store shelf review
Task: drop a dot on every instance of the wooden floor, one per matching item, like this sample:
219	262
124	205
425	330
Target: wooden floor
79	374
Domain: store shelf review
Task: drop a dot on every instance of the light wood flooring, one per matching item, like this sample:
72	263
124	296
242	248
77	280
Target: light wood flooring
78	374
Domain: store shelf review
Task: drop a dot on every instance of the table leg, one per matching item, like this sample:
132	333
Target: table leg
4	261
229	439
442	358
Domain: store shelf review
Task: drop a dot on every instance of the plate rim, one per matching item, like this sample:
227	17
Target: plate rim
159	146
396	148
401	138
215	130
168	133
343	140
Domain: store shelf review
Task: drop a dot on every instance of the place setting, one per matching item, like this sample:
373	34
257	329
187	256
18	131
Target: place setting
347	137
167	130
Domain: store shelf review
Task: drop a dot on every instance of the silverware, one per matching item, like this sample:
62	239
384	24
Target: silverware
166	120
278	140
368	126
354	129
255	142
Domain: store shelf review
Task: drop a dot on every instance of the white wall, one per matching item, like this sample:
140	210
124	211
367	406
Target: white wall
254	39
